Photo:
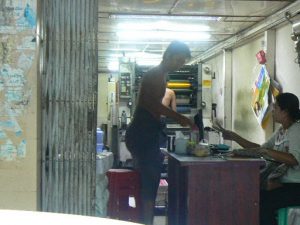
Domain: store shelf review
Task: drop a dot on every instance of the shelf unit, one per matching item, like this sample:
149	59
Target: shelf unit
186	75
185	84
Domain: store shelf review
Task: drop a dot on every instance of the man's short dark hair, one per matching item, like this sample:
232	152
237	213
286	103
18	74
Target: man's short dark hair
177	47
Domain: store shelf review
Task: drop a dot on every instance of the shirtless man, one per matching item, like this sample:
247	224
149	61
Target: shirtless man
169	99
142	134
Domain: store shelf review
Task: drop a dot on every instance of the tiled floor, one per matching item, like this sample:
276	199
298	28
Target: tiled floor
159	220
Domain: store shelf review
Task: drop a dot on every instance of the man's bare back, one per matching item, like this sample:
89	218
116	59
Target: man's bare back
152	89
169	99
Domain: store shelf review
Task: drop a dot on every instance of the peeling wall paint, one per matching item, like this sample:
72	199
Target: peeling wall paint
17	50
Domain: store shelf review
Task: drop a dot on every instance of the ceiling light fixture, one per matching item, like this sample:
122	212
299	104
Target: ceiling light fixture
145	55
147	62
140	58
134	55
170	35
125	49
162	26
113	66
159	16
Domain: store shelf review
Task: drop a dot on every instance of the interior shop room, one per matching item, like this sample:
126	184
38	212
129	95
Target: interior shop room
150	112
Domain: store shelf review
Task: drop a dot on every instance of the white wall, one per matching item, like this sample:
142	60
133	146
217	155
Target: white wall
287	71
245	70
218	84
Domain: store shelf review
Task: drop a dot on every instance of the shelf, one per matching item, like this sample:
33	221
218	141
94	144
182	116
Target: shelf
125	96
164	175
160	210
179	81
184	104
177	127
182	90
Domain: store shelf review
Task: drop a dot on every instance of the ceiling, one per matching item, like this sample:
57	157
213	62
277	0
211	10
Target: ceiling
209	22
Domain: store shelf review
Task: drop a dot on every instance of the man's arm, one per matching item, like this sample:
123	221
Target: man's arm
230	135
173	100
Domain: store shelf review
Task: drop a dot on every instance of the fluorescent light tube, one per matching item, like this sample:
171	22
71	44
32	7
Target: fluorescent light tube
162	26
113	66
171	35
165	17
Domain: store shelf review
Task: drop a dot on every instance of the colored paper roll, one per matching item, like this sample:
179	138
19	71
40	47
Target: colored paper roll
178	85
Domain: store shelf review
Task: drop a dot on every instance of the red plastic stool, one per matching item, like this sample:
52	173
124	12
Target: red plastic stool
124	194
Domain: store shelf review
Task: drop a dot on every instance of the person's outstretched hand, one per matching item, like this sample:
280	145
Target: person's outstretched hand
184	121
227	134
217	126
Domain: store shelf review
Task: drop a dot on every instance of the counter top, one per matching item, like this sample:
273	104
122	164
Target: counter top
104	162
185	160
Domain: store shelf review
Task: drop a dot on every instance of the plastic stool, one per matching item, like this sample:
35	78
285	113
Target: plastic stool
282	216
124	194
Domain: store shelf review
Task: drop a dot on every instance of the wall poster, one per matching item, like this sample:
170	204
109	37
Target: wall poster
260	95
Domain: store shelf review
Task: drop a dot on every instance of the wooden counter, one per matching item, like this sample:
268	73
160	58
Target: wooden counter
213	191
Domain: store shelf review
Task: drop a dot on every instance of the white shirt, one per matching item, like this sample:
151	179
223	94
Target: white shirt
287	141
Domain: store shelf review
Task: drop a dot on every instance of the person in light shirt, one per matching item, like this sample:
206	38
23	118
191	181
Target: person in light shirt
283	147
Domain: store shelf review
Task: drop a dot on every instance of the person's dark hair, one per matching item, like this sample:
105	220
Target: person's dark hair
177	47
290	103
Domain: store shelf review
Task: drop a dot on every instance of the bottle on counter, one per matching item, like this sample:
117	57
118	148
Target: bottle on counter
195	135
